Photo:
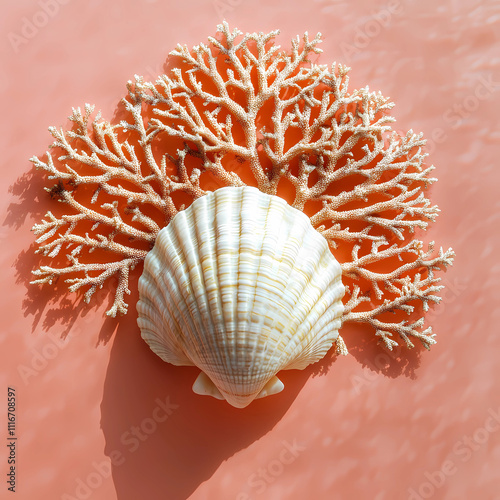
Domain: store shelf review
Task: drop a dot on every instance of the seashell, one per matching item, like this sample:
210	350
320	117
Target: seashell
242	286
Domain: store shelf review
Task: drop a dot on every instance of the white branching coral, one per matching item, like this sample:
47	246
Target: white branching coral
239	111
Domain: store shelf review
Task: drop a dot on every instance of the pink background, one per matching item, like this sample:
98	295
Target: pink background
370	425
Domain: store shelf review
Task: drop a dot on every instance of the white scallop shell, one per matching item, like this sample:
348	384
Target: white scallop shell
242	286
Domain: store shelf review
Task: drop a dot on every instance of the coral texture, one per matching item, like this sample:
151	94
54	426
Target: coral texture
240	111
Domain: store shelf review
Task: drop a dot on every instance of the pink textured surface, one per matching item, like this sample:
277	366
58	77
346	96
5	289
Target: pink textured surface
371	425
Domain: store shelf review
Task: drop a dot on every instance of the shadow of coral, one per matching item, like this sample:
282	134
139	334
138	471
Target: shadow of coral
54	304
50	305
366	349
200	434
155	457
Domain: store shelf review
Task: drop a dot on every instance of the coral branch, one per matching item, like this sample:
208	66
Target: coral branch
239	110
404	288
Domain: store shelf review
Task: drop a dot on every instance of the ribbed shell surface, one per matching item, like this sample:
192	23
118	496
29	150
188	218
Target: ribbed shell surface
240	285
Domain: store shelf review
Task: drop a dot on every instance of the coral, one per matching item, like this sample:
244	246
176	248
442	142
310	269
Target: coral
240	111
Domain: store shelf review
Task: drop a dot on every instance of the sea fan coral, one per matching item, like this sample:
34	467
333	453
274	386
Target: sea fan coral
239	111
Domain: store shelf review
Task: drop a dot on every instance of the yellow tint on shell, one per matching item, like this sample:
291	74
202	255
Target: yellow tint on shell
242	286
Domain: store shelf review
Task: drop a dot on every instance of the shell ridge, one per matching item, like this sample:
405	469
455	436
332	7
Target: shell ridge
224	228
288	233
253	206
274	210
322	331
240	269
177	289
262	254
148	283
177	282
236	323
301	325
212	319
294	288
245	218
209	299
